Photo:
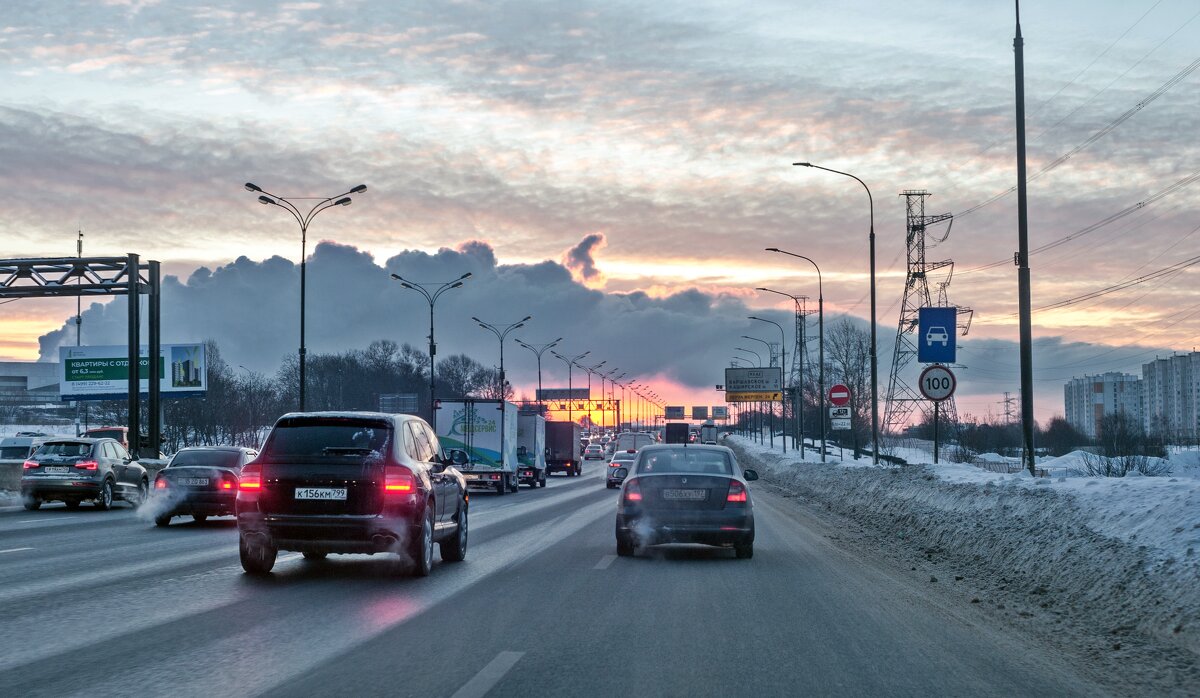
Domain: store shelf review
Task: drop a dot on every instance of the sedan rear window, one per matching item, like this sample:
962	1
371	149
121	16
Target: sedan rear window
328	437
64	448
681	460
216	459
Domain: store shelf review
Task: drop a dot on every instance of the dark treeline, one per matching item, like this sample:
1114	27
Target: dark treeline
241	404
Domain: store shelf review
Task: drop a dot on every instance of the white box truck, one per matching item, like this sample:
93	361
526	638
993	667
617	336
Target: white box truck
531	449
487	431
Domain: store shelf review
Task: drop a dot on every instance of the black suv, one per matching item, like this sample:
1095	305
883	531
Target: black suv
352	482
72	470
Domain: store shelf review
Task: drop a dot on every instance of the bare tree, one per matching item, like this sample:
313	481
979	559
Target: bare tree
848	354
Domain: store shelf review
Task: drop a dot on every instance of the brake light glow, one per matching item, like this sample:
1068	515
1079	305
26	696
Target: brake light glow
251	479
30	464
398	480
87	465
737	492
226	485
160	484
633	493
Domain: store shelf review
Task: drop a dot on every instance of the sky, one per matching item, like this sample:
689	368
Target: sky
614	169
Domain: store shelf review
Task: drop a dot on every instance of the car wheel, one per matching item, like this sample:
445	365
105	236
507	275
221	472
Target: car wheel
199	518
501	487
609	485
455	549
744	552
542	479
579	470
516	483
71	503
105	497
257	558
162	520
624	546
31	503
421	549
143	492
316	557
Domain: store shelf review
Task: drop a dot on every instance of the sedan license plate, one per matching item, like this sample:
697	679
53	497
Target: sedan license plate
193	481
56	469
685	495
333	493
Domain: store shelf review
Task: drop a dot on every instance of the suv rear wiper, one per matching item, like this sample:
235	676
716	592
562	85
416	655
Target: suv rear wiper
347	450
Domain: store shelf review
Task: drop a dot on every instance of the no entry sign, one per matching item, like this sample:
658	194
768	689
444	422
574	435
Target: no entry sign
839	395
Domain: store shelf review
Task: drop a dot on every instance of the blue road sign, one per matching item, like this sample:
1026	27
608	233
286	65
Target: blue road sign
937	335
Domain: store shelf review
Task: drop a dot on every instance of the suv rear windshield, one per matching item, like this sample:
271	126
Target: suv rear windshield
685	460
302	437
11	452
216	459
64	448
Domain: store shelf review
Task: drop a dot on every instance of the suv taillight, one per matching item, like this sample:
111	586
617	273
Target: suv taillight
398	480
251	480
87	465
31	464
737	493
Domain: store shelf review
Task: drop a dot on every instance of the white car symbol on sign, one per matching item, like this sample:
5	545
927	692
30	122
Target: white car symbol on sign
937	334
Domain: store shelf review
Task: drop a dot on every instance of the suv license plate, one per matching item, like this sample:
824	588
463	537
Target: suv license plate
685	495
193	481
56	469
321	493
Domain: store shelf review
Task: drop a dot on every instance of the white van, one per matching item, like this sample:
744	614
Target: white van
632	441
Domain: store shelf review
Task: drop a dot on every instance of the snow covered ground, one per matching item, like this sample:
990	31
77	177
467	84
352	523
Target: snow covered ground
1095	559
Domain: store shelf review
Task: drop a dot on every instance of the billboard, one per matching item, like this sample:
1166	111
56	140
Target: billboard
700	412
720	412
673	413
563	394
102	372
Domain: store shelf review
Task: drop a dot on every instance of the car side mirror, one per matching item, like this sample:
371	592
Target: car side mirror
750	475
457	456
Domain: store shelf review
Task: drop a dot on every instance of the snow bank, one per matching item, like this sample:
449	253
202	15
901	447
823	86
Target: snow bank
1110	552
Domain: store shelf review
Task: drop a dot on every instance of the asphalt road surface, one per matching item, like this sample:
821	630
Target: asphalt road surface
103	603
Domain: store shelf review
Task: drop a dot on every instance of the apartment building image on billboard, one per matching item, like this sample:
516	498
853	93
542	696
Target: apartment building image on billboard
185	367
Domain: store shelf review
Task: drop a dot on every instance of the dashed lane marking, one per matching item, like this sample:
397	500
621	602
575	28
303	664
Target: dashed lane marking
605	562
489	676
14	550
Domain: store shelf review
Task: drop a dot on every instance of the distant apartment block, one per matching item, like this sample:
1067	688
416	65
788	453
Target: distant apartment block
1171	388
1089	399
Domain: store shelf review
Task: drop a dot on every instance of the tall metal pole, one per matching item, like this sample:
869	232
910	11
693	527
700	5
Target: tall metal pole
1024	301
874	324
538	350
431	297
570	388
783	368
501	334
304	219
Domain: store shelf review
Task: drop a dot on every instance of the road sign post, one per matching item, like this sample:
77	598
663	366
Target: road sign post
937	383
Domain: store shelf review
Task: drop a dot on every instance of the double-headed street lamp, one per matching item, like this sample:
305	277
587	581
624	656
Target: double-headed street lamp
797	361
538	350
570	388
501	333
783	369
820	344
874	352
757	356
590	371
304	219
431	297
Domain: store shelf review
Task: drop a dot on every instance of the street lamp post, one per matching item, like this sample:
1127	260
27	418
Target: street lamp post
874	333
783	368
538	350
821	340
570	388
304	219
431	297
797	360
501	334
590	371
757	356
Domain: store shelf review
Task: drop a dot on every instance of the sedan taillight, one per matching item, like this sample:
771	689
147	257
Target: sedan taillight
633	493
87	465
160	483
737	493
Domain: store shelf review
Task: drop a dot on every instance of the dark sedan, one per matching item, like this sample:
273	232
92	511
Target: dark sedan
75	470
200	481
679	493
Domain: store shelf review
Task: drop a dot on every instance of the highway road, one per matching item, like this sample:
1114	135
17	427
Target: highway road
103	603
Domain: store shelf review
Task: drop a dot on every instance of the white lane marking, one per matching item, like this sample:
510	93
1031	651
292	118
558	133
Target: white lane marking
605	562
489	676
14	550
50	518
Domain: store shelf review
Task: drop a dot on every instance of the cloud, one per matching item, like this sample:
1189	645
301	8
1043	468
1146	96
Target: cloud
581	258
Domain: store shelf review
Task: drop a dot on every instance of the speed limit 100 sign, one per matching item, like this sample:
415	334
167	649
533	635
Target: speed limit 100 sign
937	383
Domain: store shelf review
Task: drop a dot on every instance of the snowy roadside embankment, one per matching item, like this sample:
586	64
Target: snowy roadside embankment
1119	556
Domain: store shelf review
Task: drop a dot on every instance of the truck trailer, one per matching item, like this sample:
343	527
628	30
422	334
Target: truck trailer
562	448
487	431
531	449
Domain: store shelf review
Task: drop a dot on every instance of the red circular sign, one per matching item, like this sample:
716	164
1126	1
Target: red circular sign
839	395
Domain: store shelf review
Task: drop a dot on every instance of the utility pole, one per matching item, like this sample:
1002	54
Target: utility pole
1023	283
